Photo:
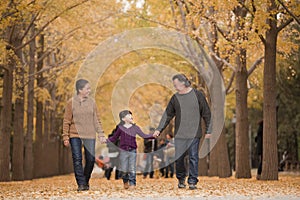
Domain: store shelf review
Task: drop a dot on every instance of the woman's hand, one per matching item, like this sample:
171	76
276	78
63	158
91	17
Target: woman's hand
66	143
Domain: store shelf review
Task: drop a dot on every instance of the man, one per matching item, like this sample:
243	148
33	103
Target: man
188	106
150	145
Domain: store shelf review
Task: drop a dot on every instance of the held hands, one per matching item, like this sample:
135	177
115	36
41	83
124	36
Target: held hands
102	139
156	133
207	136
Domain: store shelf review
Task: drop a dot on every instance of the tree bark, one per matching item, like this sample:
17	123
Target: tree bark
29	158
242	137
38	144
18	124
242	165
270	158
224	170
219	154
6	120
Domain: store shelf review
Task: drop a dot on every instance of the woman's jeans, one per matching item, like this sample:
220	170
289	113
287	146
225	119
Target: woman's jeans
190	146
128	166
83	175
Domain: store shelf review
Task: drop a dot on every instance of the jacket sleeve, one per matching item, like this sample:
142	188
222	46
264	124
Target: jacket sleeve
168	115
97	122
67	121
115	137
205	112
143	135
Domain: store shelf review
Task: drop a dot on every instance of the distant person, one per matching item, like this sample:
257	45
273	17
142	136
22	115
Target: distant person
188	106
113	154
160	154
169	154
150	146
127	132
80	125
282	162
259	148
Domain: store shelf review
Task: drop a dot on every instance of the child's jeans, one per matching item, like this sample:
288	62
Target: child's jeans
128	166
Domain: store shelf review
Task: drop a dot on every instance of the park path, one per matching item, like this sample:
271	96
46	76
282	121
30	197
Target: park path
64	187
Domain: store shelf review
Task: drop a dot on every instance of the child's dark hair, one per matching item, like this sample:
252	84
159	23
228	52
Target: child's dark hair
122	114
80	84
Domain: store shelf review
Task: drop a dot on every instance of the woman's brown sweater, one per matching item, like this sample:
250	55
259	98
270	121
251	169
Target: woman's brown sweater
81	119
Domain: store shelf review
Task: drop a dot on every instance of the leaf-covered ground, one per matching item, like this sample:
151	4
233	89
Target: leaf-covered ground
64	187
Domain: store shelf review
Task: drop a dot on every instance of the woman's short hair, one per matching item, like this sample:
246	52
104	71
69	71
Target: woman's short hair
80	84
182	78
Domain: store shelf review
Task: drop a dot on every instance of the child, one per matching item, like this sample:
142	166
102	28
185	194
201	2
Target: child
127	131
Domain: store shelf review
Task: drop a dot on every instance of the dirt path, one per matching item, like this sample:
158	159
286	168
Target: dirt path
64	187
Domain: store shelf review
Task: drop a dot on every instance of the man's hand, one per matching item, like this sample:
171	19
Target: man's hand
66	143
207	136
156	133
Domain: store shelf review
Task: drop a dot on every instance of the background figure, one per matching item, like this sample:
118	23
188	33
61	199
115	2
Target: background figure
80	125
169	154
259	148
150	145
160	154
282	162
113	154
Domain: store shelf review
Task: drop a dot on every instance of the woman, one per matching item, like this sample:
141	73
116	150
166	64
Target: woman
80	125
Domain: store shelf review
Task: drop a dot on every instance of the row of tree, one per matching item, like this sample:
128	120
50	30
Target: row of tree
43	44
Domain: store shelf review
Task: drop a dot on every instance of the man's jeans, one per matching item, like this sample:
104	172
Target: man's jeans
128	166
83	175
190	146
149	165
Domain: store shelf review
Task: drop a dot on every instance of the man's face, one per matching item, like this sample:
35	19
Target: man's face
179	86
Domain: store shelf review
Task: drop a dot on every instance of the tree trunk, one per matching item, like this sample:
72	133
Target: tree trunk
224	170
242	137
242	165
270	158
6	120
18	138
29	158
219	164
38	144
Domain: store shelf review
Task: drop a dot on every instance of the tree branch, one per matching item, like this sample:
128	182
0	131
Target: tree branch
230	82
183	16
30	25
173	13
283	25
49	22
290	12
255	64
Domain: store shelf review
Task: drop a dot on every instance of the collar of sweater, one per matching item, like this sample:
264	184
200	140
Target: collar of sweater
77	98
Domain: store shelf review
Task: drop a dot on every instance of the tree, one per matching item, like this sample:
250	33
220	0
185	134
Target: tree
270	158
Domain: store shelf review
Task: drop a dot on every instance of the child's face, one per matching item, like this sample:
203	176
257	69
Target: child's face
128	118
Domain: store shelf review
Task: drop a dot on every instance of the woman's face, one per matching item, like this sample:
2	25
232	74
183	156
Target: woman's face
128	118
85	91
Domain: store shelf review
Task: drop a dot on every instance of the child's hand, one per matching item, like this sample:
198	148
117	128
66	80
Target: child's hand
102	139
156	134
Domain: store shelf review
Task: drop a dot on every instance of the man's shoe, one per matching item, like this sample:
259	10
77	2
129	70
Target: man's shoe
181	184
131	187
126	185
192	186
82	188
